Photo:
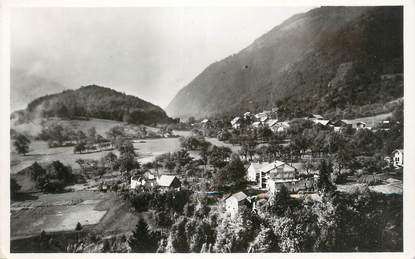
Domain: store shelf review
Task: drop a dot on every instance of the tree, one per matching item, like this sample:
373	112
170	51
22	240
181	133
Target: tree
219	155
182	157
266	241
78	227
80	147
127	162
142	240
233	174
55	179
280	202
202	234
116	132
21	143
177	241
36	171
125	146
80	135
324	183
110	161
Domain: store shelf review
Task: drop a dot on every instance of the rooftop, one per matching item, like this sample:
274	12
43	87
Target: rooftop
239	196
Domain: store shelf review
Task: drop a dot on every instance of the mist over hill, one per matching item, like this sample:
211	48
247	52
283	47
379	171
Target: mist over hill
26	86
328	59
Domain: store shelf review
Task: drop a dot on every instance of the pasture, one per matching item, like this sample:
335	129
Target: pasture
147	150
61	212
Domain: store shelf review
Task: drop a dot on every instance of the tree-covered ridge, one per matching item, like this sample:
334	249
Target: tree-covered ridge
97	102
326	59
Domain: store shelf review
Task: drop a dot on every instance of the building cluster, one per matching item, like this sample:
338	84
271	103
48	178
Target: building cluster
149	179
268	119
270	178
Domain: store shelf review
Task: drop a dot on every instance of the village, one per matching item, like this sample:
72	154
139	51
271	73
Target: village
130	132
227	168
267	178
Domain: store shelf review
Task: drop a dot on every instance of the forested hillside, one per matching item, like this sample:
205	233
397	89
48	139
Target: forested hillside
94	102
330	58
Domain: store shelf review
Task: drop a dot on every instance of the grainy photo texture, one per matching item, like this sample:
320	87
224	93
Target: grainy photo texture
206	129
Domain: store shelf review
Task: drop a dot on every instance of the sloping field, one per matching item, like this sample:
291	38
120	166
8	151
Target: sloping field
102	126
61	212
372	120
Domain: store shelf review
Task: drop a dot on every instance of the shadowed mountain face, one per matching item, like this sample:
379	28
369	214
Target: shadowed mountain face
95	102
328	58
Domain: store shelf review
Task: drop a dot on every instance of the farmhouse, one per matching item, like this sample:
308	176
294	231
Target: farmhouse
256	124
206	123
169	182
136	182
338	125
360	125
254	171
315	117
261	173
247	115
397	157
271	123
263	116
282	126
236	202
236	122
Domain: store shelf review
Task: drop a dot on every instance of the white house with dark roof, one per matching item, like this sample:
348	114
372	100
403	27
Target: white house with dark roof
236	122
169	182
261	173
281	126
271	123
235	202
315	117
254	171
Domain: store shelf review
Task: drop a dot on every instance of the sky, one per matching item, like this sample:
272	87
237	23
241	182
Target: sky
149	52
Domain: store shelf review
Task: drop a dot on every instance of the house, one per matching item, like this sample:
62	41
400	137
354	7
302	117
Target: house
136	182
321	122
260	173
338	125
360	125
247	115
236	122
397	157
271	123
235	203
253	172
282	126
257	124
312	116
263	116
206	123
169	182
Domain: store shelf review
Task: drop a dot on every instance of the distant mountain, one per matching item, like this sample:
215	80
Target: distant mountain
327	59
94	102
25	87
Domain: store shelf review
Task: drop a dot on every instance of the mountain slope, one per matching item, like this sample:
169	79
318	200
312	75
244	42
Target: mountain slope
25	87
327	58
95	102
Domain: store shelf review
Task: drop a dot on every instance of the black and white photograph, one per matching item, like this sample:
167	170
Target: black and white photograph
206	129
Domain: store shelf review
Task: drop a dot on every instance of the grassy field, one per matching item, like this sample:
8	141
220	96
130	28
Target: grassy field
100	212
372	120
147	149
40	152
33	128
